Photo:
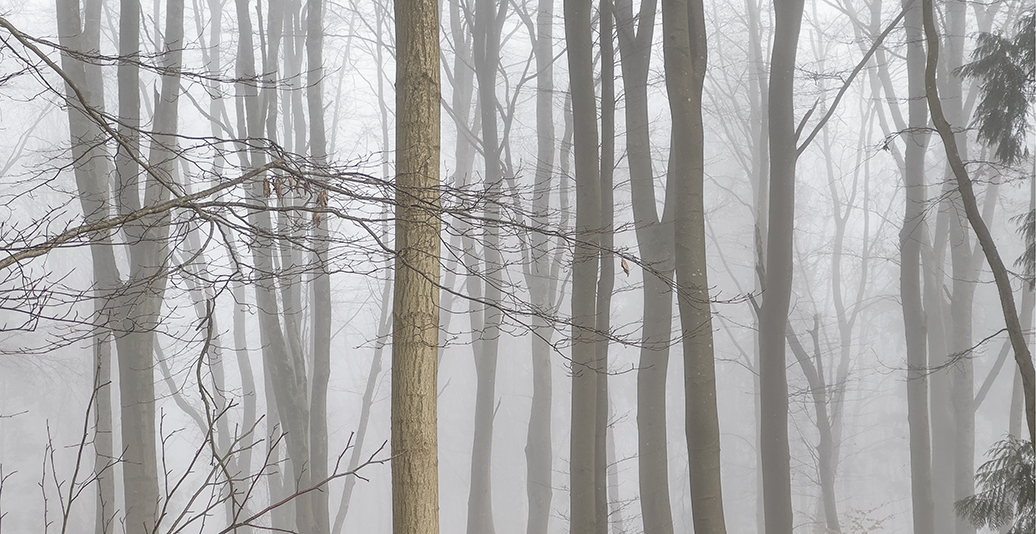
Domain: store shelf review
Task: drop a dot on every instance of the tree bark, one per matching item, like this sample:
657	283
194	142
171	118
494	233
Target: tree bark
655	242
773	381
542	287
415	486
911	239
686	57
486	41
579	40
321	284
606	280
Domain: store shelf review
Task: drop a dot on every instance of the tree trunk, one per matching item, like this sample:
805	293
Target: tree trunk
655	241
321	285
773	382
825	448
487	59
686	56
91	170
579	39
606	280
911	239
538	451
415	481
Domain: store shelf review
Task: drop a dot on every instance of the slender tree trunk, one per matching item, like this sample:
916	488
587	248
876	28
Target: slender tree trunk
761	194
965	271
686	56
655	241
538	451
321	296
415	484
911	241
825	448
243	461
773	382
606	281
579	40
91	174
1022	354
486	42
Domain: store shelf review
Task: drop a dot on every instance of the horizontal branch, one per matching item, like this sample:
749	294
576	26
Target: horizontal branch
185	201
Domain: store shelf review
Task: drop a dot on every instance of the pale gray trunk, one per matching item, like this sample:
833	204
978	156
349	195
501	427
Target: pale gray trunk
911	239
486	55
812	368
579	39
655	242
542	286
760	128
91	170
321	284
773	383
606	280
686	56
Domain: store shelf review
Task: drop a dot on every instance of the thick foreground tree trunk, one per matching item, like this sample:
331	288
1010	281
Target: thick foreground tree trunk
415	313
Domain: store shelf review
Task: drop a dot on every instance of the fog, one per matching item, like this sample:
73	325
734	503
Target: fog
673	267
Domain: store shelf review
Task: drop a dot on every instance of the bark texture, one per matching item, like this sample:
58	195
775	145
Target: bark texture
415	331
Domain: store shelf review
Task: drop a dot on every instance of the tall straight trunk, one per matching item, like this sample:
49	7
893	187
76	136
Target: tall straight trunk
321	285
761	194
147	270
539	472
655	241
1022	353
91	171
911	240
606	280
773	381
579	39
140	470
965	271
686	58
415	481
486	41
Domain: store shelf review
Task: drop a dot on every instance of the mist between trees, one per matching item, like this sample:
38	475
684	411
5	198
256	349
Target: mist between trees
416	267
